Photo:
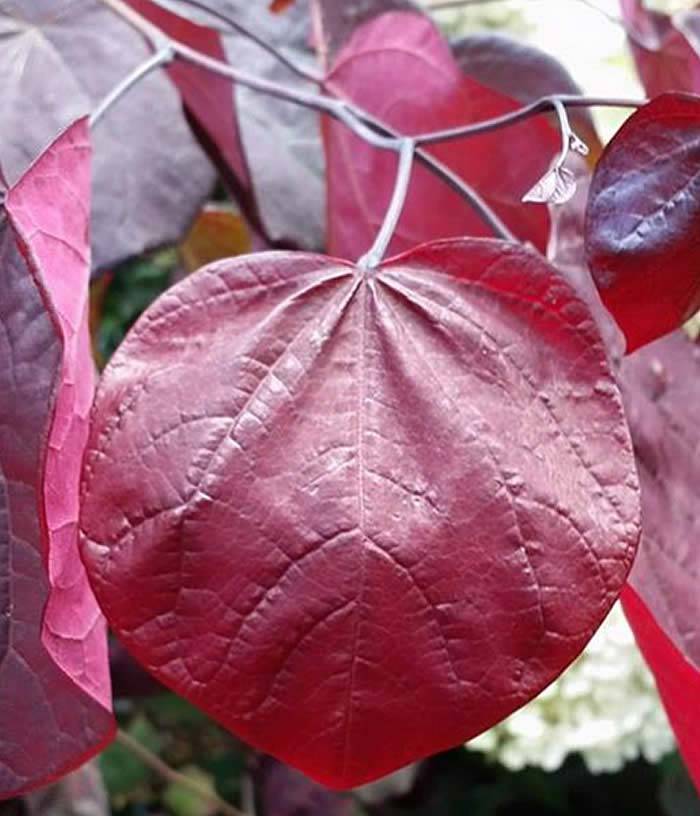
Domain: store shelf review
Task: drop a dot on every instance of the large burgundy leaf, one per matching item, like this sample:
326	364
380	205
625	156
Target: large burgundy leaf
643	219
55	701
665	59
660	387
272	147
58	59
400	68
523	72
312	496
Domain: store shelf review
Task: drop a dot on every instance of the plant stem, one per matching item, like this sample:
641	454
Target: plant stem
363	124
375	255
159	58
351	115
156	764
539	106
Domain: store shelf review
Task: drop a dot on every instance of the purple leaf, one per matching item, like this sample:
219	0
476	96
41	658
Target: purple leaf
59	59
55	712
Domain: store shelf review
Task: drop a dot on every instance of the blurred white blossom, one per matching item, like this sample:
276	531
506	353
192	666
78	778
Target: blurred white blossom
605	707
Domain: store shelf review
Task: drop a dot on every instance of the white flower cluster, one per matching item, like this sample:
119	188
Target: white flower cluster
605	707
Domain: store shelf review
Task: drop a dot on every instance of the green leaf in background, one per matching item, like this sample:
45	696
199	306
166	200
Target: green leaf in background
125	775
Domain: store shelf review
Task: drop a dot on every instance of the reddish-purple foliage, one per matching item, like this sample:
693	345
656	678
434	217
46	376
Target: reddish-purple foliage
55	705
313	494
381	68
643	219
660	386
665	55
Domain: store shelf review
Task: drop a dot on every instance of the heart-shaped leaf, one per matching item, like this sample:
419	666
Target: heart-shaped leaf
359	517
660	387
643	217
54	709
59	59
400	68
665	56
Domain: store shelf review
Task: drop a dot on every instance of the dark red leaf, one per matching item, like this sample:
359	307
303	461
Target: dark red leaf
660	388
524	73
643	219
401	69
58	59
665	59
313	495
54	710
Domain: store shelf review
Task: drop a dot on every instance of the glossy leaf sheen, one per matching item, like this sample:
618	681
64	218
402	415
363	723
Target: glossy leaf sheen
643	219
660	388
59	58
54	709
360	518
401	69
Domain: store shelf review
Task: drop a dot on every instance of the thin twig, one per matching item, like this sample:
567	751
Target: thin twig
353	116
156	764
375	255
546	103
234	25
159	58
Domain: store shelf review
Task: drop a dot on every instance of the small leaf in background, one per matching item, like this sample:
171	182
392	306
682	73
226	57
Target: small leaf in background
663	47
219	232
660	386
400	68
279	6
60	58
181	800
132	288
643	218
53	644
125	775
342	593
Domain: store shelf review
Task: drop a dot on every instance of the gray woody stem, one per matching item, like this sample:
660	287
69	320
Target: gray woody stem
406	149
162	56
